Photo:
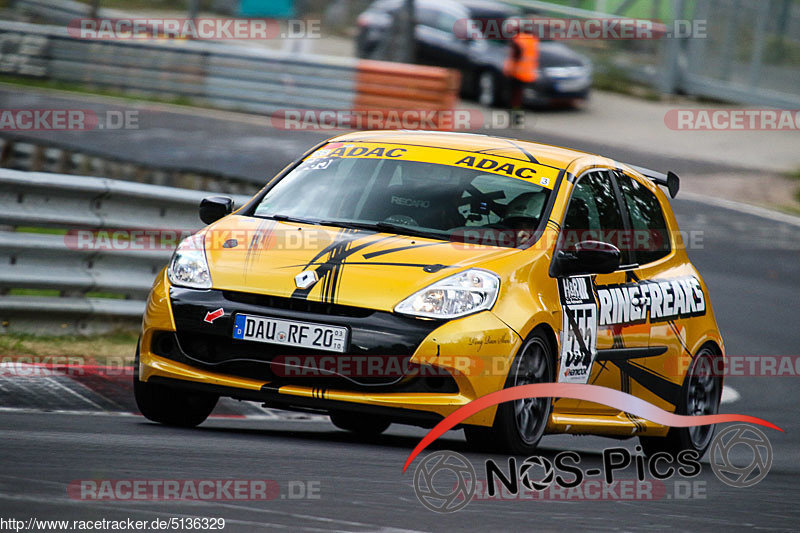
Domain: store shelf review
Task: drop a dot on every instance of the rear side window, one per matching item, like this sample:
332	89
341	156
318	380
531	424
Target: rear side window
650	233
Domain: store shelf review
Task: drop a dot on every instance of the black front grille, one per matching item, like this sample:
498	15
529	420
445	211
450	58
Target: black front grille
371	333
256	361
296	304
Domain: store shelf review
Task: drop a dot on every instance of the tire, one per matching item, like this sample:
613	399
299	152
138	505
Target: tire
168	405
519	425
365	425
487	89
700	395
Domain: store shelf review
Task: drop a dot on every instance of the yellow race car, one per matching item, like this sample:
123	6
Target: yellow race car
393	277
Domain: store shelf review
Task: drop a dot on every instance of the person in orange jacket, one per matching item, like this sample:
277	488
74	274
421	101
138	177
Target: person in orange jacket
522	64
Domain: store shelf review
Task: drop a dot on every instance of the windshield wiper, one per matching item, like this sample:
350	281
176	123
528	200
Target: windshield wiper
286	218
385	227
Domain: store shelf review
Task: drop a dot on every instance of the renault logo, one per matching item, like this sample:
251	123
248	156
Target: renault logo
305	279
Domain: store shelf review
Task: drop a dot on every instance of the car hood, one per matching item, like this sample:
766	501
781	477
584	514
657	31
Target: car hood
353	267
551	54
557	54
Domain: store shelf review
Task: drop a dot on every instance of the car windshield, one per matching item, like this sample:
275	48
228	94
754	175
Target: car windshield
410	198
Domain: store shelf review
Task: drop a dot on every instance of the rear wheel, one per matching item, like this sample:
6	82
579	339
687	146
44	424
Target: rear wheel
367	425
519	425
168	405
700	395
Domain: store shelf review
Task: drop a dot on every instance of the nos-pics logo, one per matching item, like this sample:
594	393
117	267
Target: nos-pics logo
445	481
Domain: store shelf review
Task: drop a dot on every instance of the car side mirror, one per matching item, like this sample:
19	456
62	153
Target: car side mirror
588	257
214	208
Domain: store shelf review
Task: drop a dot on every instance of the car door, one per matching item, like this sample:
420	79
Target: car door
596	213
669	290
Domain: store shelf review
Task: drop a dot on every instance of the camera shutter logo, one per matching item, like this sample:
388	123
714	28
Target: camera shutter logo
449	499
525	473
739	436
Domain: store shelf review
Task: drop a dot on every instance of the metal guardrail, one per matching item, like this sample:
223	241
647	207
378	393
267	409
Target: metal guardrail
220	74
22	152
215	73
59	12
31	201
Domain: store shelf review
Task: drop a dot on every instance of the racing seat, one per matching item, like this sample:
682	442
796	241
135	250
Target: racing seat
418	201
525	209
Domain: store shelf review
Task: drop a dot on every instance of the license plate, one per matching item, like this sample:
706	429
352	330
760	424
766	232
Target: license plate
567	86
290	333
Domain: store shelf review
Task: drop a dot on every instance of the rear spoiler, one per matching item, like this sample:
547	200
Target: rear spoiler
670	180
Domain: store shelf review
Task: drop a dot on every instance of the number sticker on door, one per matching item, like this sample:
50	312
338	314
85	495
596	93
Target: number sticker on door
579	329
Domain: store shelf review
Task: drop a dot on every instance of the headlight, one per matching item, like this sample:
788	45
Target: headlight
188	266
567	72
458	295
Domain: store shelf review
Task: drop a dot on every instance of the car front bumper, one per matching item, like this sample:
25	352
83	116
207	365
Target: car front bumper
548	89
456	361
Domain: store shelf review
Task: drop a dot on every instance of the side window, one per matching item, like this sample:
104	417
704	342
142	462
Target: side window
594	214
650	233
427	16
446	21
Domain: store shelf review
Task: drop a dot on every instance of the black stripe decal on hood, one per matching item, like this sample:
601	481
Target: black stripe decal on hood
329	271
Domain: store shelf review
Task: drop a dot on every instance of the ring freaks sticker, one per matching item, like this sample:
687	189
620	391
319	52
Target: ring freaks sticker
579	329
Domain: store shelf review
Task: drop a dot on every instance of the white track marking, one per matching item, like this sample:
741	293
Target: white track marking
74	393
33	410
754	210
280	417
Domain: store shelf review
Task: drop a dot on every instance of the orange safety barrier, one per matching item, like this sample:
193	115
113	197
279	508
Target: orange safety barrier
390	87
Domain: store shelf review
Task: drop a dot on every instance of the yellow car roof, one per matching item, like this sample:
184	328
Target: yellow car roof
544	154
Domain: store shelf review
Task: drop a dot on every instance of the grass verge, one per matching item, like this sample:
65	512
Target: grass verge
94	90
92	349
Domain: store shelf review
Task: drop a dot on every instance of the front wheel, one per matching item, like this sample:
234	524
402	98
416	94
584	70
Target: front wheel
519	425
168	405
700	395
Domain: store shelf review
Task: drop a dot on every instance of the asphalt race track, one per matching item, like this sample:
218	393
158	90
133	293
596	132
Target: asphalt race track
752	267
245	145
